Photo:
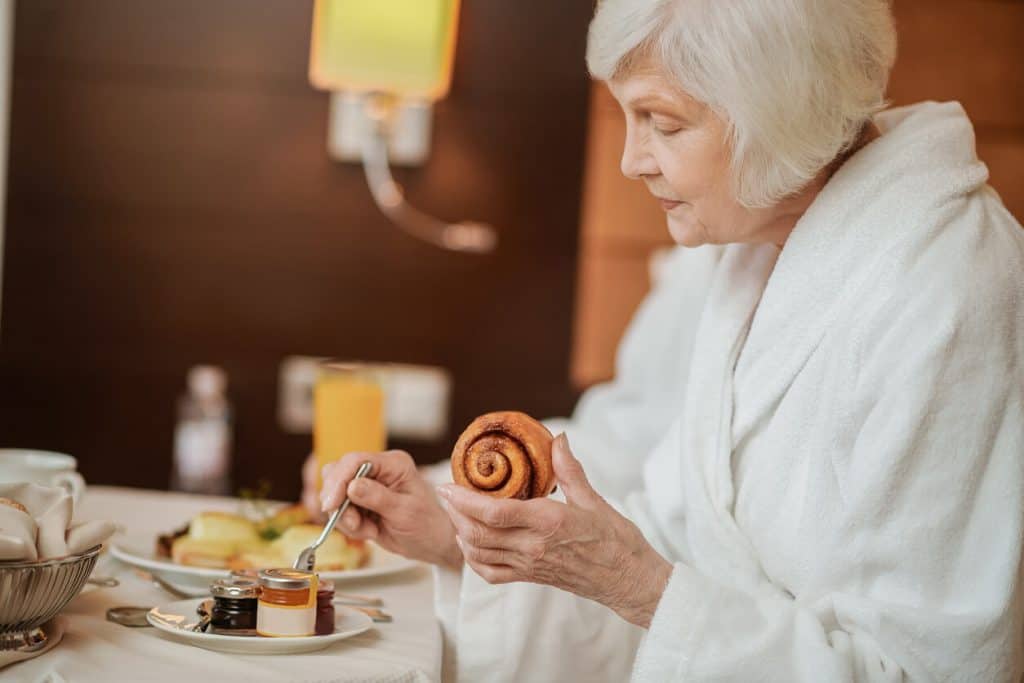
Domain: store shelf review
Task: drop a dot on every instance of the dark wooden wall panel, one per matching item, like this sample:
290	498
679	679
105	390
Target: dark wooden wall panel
170	202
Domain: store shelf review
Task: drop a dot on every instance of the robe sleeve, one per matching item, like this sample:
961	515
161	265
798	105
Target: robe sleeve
931	514
617	423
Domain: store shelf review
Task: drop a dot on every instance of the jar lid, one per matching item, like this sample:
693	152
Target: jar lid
253	574
234	587
293	579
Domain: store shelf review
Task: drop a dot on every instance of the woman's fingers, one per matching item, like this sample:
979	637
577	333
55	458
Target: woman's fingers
570	475
387	467
494	574
359	525
375	496
493	512
336	477
494	556
471	532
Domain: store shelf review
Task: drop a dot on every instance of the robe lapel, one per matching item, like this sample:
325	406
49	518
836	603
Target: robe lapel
707	441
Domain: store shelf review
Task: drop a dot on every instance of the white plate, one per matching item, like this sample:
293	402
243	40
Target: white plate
138	551
177	618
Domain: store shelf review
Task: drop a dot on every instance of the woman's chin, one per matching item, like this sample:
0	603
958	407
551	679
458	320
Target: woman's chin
686	232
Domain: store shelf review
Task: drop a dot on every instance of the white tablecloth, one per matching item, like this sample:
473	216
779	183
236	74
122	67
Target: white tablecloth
96	650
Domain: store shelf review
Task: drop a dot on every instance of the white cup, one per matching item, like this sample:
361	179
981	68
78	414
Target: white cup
41	467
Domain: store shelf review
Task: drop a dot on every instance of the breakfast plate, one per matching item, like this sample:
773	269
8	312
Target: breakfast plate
176	619
137	550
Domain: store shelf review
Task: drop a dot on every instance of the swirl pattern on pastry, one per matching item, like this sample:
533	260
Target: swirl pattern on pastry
505	454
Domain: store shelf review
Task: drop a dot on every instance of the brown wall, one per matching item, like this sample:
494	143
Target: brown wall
966	50
170	202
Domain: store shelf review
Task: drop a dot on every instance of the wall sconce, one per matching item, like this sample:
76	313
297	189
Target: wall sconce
385	63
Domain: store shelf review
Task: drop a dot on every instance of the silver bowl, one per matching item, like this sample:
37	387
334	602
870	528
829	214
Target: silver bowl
32	593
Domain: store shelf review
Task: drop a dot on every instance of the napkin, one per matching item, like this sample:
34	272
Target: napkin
45	531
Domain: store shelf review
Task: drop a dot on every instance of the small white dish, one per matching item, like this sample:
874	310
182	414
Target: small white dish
137	551
176	619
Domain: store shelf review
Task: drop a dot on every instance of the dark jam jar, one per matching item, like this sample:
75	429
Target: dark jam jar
325	607
234	606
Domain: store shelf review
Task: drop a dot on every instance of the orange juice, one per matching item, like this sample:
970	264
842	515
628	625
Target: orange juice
348	413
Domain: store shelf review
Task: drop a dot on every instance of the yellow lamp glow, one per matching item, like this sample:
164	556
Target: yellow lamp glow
402	47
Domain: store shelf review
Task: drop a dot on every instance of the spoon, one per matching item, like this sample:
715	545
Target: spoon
375	613
135	617
103	581
307	558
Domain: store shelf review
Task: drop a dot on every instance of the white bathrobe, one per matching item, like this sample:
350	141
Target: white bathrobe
616	424
842	493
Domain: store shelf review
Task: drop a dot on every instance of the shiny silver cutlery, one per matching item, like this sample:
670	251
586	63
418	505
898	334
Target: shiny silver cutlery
103	581
378	615
353	600
135	617
307	558
156	580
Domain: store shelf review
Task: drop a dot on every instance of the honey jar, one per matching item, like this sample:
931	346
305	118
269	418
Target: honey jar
287	603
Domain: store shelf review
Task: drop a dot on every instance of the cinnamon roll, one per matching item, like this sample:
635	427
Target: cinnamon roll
506	455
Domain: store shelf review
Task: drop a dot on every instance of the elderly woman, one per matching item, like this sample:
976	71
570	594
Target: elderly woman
841	495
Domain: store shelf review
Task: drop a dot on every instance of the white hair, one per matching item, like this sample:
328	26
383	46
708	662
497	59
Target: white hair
795	80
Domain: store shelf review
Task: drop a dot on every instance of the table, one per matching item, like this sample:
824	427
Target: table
96	650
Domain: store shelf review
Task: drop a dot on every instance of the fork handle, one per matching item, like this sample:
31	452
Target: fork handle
363	470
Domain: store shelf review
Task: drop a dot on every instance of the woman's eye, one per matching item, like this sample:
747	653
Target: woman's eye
665	127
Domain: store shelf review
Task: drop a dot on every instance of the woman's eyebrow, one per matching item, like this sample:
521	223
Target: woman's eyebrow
657	104
648	101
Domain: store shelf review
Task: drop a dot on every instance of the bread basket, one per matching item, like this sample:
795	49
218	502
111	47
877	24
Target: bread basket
32	593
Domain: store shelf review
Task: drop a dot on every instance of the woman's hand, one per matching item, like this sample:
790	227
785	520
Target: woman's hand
310	492
583	546
398	507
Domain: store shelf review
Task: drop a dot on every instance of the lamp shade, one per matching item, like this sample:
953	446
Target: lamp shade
402	47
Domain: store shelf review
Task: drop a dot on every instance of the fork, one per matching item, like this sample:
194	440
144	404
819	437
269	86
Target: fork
161	583
307	558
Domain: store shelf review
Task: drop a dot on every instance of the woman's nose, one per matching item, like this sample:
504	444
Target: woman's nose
636	161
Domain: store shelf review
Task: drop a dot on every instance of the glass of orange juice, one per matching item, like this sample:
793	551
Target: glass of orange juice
348	412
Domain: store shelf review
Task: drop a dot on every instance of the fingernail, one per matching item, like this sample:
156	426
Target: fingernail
444	491
348	523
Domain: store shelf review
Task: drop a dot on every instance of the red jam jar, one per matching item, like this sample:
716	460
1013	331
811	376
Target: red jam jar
325	607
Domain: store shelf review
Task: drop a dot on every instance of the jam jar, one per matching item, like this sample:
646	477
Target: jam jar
253	574
287	603
234	606
325	608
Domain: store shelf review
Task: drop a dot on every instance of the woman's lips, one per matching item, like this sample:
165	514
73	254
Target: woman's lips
668	204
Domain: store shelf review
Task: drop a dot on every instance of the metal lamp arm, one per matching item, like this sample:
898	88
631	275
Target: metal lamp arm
465	236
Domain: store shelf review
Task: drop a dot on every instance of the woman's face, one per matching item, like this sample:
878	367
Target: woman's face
679	148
